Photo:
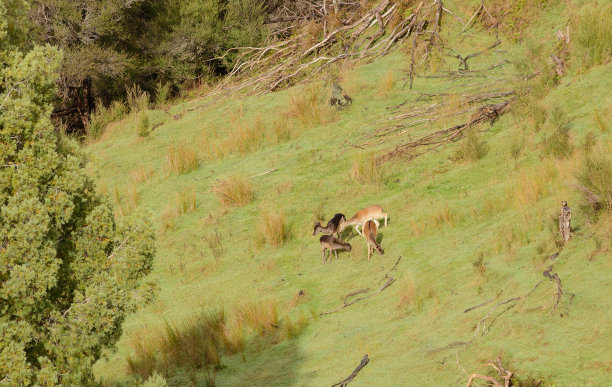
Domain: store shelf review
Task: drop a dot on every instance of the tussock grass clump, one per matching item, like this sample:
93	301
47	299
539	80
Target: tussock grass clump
181	159
385	84
365	170
471	149
245	138
235	191
198	344
180	204
592	34
214	241
272	228
125	200
307	108
143	127
444	216
595	178
141	174
412	297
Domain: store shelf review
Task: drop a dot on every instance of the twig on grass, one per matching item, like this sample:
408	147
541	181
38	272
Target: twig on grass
346	381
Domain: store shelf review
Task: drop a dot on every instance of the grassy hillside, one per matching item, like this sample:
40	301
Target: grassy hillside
469	229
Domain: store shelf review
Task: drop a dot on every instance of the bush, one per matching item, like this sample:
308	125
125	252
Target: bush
235	191
162	92
471	149
137	99
365	170
142	127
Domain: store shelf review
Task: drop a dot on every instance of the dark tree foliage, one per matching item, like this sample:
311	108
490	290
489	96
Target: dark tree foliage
109	45
69	273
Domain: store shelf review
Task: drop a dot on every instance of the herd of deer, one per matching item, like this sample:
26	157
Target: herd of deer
366	218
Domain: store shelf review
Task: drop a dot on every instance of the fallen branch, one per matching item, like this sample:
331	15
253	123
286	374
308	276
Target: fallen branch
265	173
504	374
388	283
346	381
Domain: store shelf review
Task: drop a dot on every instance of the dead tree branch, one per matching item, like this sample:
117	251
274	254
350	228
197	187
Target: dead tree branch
346	381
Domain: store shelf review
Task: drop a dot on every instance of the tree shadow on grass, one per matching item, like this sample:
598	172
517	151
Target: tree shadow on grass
274	365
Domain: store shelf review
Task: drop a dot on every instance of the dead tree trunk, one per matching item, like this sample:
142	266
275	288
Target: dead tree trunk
565	218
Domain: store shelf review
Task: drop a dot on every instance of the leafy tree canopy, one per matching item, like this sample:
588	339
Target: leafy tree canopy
69	273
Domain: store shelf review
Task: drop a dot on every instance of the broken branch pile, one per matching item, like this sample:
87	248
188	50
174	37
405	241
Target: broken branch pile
285	62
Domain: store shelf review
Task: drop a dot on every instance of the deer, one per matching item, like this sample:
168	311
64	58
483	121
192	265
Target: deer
333	226
369	232
361	217
330	243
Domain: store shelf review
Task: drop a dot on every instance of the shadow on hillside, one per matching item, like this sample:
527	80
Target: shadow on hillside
271	366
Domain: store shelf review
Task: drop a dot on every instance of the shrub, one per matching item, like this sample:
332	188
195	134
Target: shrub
471	149
162	92
235	191
142	126
181	159
365	170
595	178
137	99
592	35
272	228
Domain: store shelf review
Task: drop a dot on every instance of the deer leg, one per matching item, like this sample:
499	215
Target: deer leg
385	219
323	254
357	229
369	249
336	253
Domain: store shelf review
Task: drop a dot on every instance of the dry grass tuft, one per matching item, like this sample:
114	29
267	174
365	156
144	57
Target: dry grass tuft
262	316
308	109
444	216
181	159
181	203
141	174
235	191
125	200
385	85
244	138
365	170
272	228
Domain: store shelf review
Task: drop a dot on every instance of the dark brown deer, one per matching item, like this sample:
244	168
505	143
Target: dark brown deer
333	226
330	243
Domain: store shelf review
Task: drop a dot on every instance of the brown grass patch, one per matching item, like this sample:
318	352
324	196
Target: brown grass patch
272	228
365	170
141	174
385	84
307	108
181	203
181	159
125	200
235	191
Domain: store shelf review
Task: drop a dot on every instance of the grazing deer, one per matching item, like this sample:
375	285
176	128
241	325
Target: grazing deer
330	243
333	226
368	213
369	232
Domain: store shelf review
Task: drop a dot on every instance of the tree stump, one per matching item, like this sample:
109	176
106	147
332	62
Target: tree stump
565	218
338	99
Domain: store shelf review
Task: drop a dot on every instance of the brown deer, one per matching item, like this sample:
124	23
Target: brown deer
333	226
330	243
368	213
369	232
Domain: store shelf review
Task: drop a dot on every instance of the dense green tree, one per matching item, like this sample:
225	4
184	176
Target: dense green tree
69	273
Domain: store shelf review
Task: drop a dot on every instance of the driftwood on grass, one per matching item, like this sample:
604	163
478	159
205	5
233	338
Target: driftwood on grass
346	303
346	381
504	374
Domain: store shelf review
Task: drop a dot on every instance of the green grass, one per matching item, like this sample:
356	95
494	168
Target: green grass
467	232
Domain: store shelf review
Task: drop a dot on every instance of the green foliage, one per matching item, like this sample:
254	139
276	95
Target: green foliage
103	116
68	273
137	100
593	34
557	144
162	92
143	128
